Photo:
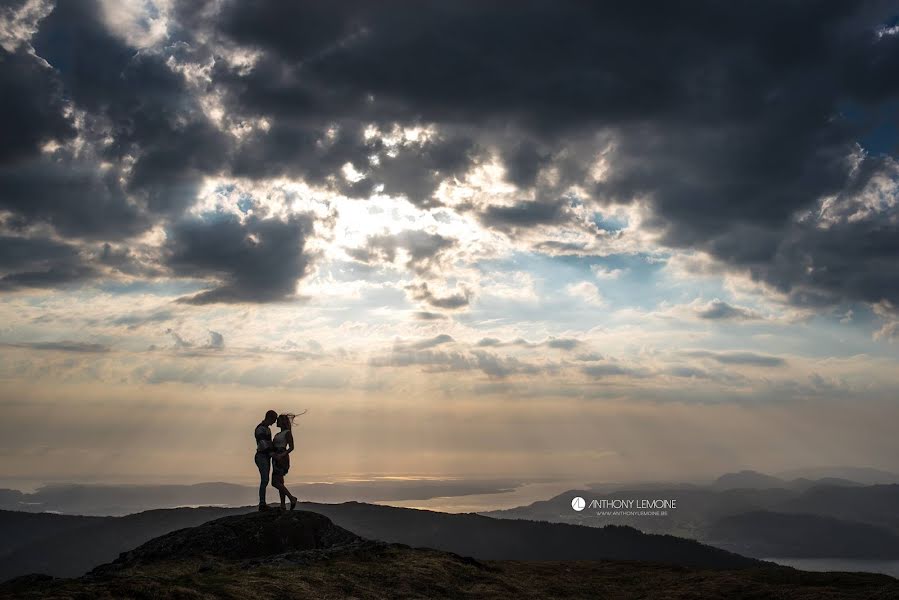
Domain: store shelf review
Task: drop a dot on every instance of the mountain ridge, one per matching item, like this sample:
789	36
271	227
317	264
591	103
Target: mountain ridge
305	555
76	551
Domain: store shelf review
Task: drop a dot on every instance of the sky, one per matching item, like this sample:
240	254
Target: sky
473	239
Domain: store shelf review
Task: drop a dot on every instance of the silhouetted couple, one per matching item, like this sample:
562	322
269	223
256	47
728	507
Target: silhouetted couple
273	456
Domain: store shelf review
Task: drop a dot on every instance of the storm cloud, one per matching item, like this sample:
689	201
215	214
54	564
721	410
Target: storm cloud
756	133
258	260
728	120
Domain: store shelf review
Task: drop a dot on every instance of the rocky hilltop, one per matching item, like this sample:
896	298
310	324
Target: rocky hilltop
253	535
305	555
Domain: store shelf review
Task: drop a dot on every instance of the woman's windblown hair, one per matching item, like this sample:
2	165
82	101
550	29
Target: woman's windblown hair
286	420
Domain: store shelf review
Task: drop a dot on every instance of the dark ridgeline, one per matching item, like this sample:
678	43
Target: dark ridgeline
76	549
763	533
303	554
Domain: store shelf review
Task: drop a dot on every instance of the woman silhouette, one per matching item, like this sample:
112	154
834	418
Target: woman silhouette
283	446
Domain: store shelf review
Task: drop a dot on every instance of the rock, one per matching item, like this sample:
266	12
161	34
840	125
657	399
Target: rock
254	535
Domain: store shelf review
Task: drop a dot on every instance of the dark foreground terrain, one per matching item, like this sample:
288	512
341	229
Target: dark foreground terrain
70	546
304	555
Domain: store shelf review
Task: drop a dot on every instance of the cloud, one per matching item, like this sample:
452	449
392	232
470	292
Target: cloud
565	344
40	262
739	358
775	163
605	273
421	353
63	346
523	215
601	371
423	315
585	291
216	340
136	320
424	344
257	260
718	310
720	140
32	113
180	342
889	331
422	293
135	155
490	364
422	249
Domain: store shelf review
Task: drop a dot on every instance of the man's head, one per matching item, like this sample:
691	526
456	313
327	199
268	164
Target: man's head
270	417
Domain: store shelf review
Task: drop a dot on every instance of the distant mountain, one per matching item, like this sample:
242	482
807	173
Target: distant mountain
696	508
118	500
103	500
863	475
73	551
305	555
748	480
700	511
762	534
761	481
875	504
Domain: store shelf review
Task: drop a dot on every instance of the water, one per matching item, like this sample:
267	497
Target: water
887	567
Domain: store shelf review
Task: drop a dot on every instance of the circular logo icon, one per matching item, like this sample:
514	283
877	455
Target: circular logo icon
578	503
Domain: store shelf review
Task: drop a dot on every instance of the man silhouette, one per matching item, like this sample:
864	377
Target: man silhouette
263	457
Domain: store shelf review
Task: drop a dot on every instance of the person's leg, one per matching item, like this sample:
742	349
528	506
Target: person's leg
264	464
293	499
278	484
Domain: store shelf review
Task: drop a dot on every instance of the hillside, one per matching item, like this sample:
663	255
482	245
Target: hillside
73	552
850	515
305	555
875	504
764	533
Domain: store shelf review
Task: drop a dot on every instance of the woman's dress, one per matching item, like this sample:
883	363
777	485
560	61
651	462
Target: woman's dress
281	465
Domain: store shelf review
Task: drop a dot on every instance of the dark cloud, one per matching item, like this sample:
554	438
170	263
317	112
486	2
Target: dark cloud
40	262
144	142
739	358
525	215
726	119
423	293
729	122
144	105
31	107
77	197
718	310
523	162
564	343
423	249
423	315
258	260
416	170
